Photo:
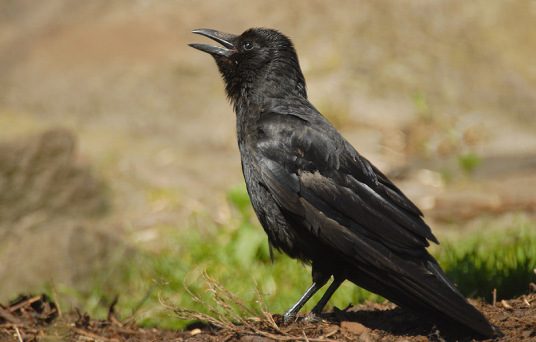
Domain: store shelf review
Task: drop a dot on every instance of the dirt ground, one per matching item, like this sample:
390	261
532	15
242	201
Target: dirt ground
39	319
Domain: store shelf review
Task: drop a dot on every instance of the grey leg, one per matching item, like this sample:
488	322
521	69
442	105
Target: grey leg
291	313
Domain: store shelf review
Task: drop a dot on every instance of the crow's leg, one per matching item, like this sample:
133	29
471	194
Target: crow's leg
317	285
317	310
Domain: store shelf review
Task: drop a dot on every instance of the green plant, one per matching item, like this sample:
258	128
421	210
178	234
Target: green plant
468	162
422	106
481	263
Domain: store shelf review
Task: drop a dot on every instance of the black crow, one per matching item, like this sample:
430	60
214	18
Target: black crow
317	198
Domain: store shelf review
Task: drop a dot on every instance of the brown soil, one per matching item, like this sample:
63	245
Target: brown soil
38	318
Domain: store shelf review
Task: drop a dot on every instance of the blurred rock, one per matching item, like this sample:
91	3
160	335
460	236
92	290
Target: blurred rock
40	176
51	210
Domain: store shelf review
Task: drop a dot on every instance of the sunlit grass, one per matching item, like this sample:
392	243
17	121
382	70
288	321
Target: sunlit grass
480	263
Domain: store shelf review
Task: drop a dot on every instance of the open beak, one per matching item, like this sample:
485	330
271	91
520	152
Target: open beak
224	39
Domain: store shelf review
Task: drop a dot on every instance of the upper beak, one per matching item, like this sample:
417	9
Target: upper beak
224	39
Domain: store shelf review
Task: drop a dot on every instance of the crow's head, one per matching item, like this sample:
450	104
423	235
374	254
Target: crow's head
258	60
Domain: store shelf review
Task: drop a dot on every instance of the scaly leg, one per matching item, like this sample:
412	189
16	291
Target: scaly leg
291	313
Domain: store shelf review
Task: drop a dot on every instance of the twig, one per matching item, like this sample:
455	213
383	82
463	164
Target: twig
331	333
187	314
95	337
522	320
18	334
271	322
26	302
9	316
526	301
56	301
506	305
305	336
494	293
267	315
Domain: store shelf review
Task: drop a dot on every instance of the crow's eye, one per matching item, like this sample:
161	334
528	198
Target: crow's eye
247	45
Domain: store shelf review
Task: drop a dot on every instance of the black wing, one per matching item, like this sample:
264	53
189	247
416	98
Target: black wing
303	157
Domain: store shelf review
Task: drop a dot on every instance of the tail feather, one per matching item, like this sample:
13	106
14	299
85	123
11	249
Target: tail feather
426	290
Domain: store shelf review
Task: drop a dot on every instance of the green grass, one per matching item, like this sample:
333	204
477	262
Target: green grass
478	264
237	255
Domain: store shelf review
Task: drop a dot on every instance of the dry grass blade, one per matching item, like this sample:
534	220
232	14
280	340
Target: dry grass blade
192	315
18	334
232	314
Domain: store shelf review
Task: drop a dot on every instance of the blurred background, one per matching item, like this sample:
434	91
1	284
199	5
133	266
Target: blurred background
118	156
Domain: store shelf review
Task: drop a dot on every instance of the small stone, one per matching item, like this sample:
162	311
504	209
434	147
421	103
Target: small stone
353	327
502	316
195	331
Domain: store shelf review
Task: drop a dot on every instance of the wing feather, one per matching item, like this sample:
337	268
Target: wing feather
299	162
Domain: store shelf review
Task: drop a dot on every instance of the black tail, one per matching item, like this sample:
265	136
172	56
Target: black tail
424	288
